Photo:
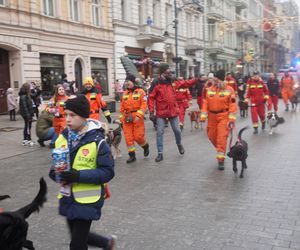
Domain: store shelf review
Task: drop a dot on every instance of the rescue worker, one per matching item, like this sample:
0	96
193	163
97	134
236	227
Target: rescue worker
208	84
286	84
257	93
219	108
183	98
199	88
96	100
230	81
274	90
162	100
133	108
56	107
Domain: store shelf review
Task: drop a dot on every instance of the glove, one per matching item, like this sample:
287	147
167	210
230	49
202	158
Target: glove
230	124
108	118
152	116
68	177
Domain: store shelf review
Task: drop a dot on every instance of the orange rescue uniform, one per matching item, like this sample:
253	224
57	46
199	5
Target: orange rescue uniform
230	81
287	91
58	109
96	103
133	104
219	107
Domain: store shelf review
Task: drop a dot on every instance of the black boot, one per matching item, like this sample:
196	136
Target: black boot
263	125
287	107
41	142
255	131
159	157
221	165
181	149
131	157
146	149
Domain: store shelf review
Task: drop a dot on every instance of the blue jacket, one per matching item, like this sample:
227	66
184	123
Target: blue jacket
102	174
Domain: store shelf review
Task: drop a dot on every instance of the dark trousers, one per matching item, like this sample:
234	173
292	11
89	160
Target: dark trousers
27	129
12	115
81	236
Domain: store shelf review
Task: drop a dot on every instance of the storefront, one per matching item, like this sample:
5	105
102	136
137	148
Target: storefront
99	73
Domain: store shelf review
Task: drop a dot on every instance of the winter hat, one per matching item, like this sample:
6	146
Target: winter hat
9	91
79	105
89	80
163	67
210	75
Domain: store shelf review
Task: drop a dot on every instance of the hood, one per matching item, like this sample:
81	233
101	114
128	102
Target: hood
94	125
9	91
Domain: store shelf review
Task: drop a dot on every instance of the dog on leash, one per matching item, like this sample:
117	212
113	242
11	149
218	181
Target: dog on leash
194	118
273	121
13	225
294	102
243	106
239	152
114	137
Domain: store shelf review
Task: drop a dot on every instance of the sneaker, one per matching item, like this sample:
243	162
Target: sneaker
180	149
41	142
52	145
30	143
111	243
24	142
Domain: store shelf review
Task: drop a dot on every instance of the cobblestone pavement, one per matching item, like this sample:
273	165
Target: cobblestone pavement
183	202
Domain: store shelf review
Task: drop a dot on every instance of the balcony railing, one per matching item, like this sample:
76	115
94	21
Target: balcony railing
194	44
214	47
213	12
149	33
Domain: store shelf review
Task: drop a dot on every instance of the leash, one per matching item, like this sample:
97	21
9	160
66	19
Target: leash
233	130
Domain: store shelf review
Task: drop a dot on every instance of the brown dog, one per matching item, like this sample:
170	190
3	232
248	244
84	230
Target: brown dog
194	118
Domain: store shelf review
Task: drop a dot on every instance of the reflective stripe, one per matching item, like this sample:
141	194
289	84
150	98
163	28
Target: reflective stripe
255	125
211	92
266	97
203	116
82	194
121	116
131	148
232	116
252	86
220	155
107	113
140	112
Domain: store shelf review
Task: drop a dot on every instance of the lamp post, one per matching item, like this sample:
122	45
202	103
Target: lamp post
176	40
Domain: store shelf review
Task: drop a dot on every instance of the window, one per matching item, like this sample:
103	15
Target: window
99	73
142	16
96	12
2	2
168	16
74	10
156	13
48	8
52	67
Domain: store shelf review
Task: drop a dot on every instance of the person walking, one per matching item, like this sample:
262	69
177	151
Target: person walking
257	93
26	111
132	110
199	88
118	91
57	108
163	105
287	92
219	108
230	81
11	104
44	129
35	94
96	100
91	168
274	92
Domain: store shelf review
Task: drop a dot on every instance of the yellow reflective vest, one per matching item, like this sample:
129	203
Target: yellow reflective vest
85	159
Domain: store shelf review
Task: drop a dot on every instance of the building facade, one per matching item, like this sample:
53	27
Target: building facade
144	31
42	39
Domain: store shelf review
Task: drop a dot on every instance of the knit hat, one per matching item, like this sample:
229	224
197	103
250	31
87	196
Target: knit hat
163	67
79	105
89	80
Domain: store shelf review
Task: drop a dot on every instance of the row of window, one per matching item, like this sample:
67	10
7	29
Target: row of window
50	8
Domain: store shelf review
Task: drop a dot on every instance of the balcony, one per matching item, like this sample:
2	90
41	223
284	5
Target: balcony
197	4
214	47
150	34
214	13
193	44
240	4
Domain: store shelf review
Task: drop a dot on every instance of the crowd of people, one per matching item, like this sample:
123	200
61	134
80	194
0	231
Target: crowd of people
73	122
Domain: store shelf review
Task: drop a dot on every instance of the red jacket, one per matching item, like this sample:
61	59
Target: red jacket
183	96
257	92
230	81
162	97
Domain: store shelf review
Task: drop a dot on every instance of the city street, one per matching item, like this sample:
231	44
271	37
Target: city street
182	203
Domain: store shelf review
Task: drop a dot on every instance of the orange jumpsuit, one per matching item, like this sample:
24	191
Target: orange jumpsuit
133	104
219	107
287	91
230	81
59	120
97	103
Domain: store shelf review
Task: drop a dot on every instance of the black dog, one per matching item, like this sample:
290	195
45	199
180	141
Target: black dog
294	101
239	152
243	106
13	225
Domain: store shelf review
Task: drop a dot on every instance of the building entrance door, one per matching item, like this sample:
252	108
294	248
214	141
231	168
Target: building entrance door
4	79
78	74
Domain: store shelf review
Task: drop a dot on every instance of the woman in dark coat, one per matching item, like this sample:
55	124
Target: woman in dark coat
26	111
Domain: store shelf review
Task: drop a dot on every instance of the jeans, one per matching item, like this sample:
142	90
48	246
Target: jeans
51	135
27	129
81	236
12	115
160	132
